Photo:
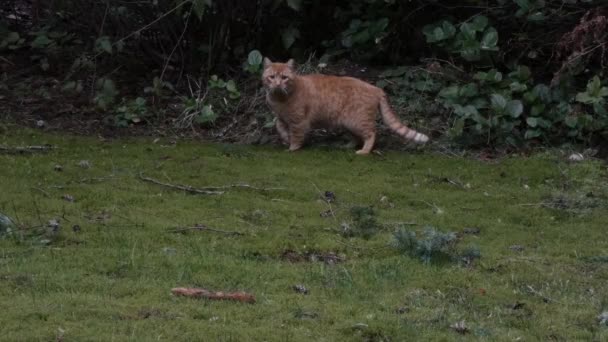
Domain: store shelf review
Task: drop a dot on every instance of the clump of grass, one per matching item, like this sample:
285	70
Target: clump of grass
364	223
426	246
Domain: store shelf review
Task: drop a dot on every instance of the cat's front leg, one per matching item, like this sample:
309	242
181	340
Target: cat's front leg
283	131
297	134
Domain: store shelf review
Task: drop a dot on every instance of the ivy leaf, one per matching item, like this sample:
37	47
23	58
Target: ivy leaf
480	22
255	57
289	36
103	44
468	90
537	109
450	93
41	41
489	39
532	121
498	101
438	34
231	86
206	115
585	98
470	50
468	31
448	28
458	128
514	108
532	133
571	121
296	5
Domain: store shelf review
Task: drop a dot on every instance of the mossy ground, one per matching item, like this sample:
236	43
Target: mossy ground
111	280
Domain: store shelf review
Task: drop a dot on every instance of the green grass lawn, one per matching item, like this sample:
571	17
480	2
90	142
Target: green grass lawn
111	280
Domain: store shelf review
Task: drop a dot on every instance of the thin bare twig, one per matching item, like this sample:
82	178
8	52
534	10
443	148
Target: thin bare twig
186	188
25	149
162	74
42	191
210	190
202	228
331	210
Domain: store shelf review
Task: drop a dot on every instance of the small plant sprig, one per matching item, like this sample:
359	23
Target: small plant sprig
433	244
364	223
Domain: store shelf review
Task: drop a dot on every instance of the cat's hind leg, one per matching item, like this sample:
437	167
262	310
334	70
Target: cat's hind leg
364	130
368	143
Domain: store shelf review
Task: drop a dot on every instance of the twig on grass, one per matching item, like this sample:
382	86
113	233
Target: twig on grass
202	293
200	227
186	188
538	293
46	194
331	210
209	190
25	149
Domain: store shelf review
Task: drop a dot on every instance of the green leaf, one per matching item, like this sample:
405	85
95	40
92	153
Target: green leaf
104	44
600	109
470	50
514	108
532	121
295	4
450	93
537	109
12	37
466	111
532	133
468	90
199	7
457	128
41	41
517	87
468	31
523	4
489	39
543	92
438	34
448	29
206	115
231	86
289	36
538	16
522	73
585	98
255	58
571	121
494	76
479	23
498	101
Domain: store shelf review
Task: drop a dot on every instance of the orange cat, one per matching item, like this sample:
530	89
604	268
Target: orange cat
302	103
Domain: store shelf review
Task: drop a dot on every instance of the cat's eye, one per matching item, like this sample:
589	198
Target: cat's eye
283	77
271	77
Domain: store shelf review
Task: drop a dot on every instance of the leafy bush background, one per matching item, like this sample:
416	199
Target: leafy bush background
503	72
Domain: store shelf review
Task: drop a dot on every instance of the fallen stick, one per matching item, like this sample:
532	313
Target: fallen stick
204	228
185	188
25	149
206	294
209	190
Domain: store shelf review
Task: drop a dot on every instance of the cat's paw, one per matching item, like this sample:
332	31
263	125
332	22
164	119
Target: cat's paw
362	152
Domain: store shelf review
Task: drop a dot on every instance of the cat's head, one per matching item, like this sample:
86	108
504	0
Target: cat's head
279	77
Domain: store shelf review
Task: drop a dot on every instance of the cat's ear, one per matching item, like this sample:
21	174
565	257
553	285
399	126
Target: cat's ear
291	64
267	62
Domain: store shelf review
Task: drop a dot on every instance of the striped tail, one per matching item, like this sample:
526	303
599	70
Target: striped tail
392	121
